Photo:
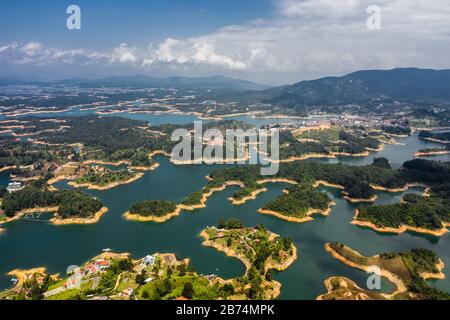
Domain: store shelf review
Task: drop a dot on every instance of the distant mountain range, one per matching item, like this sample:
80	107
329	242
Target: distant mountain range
406	84
216	83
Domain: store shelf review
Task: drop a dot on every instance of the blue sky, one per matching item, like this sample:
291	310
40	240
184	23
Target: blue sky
105	23
267	41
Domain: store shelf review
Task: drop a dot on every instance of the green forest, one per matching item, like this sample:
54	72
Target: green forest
415	211
298	201
106	177
153	208
71	203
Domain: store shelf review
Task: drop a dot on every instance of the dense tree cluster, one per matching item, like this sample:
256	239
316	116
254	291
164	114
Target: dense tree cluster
397	130
70	203
291	147
21	153
357	180
153	208
361	141
415	211
193	198
381	163
102	178
298	201
419	261
232	223
443	136
115	138
325	142
408	266
258	246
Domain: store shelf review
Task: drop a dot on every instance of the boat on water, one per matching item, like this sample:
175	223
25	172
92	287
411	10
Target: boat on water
107	250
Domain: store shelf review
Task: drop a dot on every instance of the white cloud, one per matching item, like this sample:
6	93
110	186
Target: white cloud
32	48
124	54
291	8
195	51
38	54
304	39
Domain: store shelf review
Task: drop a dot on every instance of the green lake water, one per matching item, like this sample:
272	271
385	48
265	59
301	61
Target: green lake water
27	244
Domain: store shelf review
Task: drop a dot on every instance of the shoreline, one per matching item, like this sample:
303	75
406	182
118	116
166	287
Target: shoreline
112	185
431	153
66	176
24	212
232	253
332	155
324	183
309	214
360	200
398	190
440	275
401	286
436	140
80	221
272	288
206	195
282	266
330	288
305	157
138	218
33	112
91	186
345	196
228	251
400	230
22	275
122	162
250	197
277	180
8	168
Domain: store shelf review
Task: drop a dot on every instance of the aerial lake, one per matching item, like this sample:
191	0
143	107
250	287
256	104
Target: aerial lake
27	244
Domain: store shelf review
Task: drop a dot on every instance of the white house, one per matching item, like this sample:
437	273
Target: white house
149	260
14	186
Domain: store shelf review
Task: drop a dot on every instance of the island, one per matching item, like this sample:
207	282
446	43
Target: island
162	276
46	151
442	137
428	214
260	250
358	183
246	193
153	210
298	203
429	152
69	207
329	142
408	271
101	178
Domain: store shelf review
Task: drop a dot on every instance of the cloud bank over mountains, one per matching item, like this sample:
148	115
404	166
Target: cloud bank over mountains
304	39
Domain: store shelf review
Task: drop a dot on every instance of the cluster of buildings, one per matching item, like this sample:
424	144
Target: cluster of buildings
149	261
14	187
75	279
